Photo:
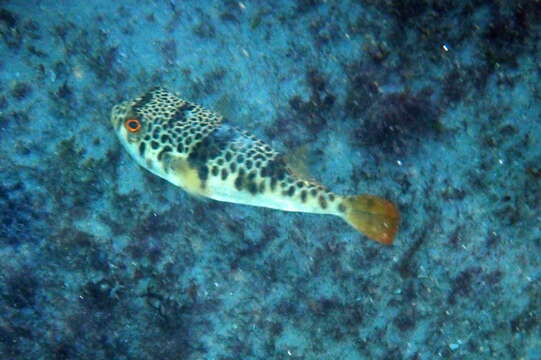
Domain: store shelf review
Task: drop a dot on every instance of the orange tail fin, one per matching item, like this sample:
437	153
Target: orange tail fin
373	216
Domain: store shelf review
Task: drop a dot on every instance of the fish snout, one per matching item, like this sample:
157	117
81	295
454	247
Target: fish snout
118	113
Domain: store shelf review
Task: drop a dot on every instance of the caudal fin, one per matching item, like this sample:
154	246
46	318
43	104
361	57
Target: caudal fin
373	216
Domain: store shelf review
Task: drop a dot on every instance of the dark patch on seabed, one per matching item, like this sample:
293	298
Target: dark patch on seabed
433	105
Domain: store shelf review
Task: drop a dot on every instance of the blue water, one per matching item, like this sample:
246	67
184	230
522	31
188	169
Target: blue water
431	105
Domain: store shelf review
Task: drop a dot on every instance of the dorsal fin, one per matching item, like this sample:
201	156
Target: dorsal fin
297	161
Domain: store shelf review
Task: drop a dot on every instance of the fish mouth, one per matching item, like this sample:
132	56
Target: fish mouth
114	122
114	119
117	114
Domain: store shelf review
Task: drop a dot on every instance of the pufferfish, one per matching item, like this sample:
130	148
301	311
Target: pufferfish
195	149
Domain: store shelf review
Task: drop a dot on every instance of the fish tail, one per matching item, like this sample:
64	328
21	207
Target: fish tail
373	216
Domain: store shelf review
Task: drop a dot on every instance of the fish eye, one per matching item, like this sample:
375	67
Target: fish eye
132	125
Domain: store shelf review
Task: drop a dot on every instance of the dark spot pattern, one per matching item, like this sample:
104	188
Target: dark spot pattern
322	201
224	174
182	111
291	191
210	148
273	183
252	188
238	183
275	168
143	101
142	147
203	172
166	149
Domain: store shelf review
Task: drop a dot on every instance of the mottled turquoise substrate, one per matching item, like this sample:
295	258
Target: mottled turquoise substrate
433	106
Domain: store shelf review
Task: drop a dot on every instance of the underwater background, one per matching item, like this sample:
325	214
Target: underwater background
434	105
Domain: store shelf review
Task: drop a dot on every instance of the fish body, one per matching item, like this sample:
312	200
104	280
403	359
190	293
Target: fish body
197	150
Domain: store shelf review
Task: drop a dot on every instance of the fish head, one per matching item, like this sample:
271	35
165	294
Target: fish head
144	125
158	126
129	126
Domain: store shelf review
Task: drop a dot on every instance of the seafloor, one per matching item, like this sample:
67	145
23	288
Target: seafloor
432	104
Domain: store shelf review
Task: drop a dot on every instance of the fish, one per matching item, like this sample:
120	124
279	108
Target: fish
199	151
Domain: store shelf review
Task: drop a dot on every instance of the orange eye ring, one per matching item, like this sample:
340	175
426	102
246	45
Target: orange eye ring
132	125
